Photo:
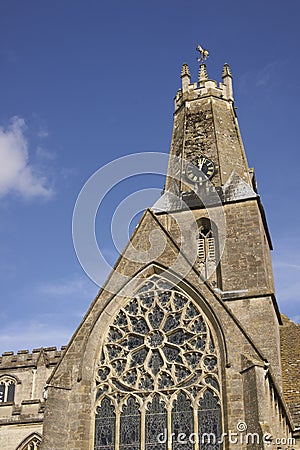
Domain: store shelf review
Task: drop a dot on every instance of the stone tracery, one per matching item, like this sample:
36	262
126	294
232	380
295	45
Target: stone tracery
159	354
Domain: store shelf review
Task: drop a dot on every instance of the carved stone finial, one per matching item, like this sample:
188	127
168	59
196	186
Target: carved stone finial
226	71
185	78
227	81
185	70
202	77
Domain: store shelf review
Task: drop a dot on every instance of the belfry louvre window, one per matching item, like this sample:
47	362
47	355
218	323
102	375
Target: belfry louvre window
206	245
158	375
207	252
7	389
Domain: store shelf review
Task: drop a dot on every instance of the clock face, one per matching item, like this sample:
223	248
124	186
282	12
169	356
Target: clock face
202	169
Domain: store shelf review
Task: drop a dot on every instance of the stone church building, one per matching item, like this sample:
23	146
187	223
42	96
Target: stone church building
191	351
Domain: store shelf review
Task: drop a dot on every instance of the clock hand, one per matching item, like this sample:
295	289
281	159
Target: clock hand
202	164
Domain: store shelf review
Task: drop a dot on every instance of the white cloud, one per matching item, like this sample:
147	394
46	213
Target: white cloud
264	75
43	133
77	287
42	153
296	319
61	304
36	334
16	173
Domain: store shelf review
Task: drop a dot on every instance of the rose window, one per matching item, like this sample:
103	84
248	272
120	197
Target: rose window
159	350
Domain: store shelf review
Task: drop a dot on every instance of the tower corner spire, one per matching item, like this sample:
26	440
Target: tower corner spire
185	77
185	71
226	71
227	81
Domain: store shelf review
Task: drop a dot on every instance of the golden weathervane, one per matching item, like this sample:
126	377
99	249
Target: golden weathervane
203	54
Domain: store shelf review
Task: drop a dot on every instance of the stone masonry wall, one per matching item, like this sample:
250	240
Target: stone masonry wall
24	416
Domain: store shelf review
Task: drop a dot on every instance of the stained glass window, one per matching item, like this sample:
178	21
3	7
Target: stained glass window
159	360
182	423
130	428
7	389
156	425
105	426
209	419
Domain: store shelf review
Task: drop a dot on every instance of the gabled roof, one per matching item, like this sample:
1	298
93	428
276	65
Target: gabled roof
290	358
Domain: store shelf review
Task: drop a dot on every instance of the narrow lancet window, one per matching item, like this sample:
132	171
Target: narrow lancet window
105	426
182	423
130	426
156	425
7	389
209	422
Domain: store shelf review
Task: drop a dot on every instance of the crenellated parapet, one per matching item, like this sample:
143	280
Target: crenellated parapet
49	356
204	87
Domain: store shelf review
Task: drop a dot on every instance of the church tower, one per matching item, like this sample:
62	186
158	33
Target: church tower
208	167
184	354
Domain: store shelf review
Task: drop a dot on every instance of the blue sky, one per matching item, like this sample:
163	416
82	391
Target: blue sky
85	82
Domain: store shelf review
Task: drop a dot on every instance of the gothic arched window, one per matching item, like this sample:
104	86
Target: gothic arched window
208	252
130	428
182	421
7	389
158	374
105	426
32	442
156	419
209	421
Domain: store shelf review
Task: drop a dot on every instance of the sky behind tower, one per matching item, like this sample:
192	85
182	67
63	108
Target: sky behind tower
85	82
